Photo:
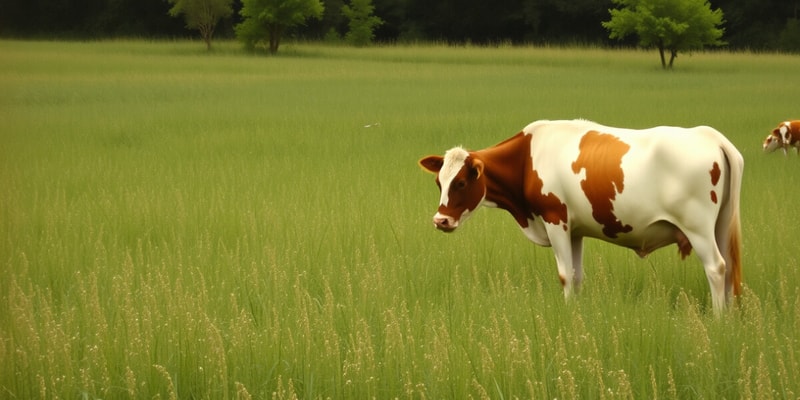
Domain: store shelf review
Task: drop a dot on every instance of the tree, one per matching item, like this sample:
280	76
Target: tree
202	15
789	39
362	22
669	25
266	20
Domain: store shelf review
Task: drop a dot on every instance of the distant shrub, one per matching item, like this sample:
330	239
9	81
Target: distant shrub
362	22
789	39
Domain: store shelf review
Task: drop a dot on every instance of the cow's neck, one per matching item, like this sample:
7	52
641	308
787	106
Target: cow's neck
505	166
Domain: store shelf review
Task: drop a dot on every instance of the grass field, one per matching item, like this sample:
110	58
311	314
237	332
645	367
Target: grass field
183	224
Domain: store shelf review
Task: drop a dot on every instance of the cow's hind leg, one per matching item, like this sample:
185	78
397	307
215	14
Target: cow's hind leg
714	264
728	244
577	264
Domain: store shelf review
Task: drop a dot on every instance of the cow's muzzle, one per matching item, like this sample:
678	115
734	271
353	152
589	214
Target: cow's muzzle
444	223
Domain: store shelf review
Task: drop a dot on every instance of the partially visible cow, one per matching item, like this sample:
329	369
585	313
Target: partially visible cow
641	189
786	135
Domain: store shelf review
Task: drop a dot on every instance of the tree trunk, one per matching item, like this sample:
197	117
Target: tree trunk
673	55
661	53
207	32
274	38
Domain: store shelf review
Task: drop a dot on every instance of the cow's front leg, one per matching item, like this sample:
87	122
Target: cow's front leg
568	252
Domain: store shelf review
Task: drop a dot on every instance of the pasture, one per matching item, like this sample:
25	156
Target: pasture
178	224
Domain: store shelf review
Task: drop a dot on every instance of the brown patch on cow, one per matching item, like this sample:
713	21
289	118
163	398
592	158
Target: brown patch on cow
548	206
684	246
562	279
514	185
715	174
601	156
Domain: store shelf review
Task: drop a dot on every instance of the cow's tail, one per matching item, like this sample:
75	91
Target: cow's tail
728	225
735	256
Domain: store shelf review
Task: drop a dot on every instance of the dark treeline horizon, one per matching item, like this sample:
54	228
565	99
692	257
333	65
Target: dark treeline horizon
749	24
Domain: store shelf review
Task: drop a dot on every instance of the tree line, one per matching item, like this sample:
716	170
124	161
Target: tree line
748	24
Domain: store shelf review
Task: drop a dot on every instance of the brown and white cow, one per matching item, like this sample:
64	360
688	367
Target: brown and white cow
786	135
641	189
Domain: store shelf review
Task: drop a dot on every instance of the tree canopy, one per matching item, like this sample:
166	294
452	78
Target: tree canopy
266	20
669	25
749	24
202	15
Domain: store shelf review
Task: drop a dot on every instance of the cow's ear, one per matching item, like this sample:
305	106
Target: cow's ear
477	169
432	164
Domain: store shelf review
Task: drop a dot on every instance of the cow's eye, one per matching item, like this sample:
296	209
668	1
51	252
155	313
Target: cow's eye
461	184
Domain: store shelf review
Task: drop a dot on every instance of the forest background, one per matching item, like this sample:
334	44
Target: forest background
757	25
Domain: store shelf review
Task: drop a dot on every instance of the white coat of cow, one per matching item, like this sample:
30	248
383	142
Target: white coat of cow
641	189
786	135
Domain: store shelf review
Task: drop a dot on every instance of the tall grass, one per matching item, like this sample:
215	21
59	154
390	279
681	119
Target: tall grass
183	224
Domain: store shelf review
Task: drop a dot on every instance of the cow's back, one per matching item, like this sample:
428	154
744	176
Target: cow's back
617	183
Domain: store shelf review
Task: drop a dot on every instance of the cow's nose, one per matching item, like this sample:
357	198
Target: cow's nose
444	223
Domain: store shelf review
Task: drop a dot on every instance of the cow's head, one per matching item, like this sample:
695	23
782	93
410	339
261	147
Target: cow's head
780	137
461	181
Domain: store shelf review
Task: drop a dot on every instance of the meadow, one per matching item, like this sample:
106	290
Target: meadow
179	224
